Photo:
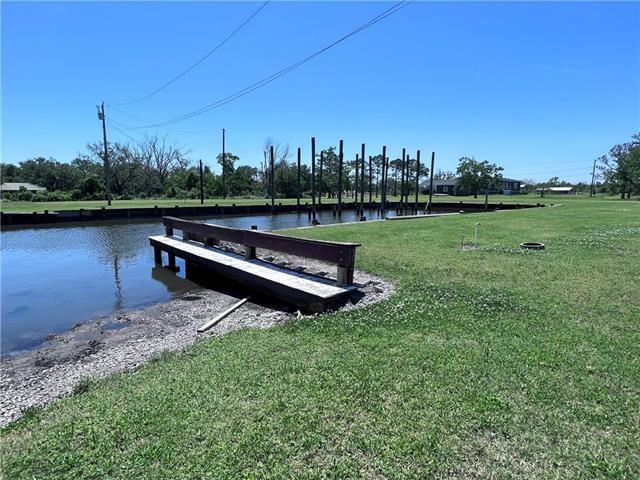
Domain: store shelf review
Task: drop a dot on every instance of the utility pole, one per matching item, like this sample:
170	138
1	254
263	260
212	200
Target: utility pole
201	185
224	163
433	159
593	177
107	186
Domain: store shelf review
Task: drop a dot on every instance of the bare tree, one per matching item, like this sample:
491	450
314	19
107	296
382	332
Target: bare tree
159	158
280	154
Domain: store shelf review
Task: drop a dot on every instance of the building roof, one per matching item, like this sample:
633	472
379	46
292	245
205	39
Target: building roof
560	189
15	187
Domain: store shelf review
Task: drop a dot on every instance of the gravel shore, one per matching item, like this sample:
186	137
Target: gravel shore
126	339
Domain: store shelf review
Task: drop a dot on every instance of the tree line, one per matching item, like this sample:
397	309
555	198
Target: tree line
158	168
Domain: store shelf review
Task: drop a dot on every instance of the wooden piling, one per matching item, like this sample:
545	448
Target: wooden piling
320	178
415	205
273	177
402	179
313	177
355	187
383	186
370	179
433	158
362	152
299	185
340	161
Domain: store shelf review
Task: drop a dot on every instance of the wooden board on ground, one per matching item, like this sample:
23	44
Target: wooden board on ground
304	290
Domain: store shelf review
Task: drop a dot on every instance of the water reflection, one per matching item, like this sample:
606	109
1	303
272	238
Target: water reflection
53	278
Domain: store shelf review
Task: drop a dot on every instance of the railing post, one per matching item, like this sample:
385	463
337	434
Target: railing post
345	275
249	252
168	231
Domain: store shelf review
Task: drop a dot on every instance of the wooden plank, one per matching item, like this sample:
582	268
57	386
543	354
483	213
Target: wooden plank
333	252
232	308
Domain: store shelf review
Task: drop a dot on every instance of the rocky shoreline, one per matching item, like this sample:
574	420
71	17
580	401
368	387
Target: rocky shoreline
124	340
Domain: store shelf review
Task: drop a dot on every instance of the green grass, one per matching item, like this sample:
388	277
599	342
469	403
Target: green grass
494	362
16	206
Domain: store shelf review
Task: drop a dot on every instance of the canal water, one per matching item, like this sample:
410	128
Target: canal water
53	278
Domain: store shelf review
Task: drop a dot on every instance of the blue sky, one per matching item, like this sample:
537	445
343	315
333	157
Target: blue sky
539	88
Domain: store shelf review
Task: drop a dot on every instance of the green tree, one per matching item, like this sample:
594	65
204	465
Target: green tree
621	168
477	176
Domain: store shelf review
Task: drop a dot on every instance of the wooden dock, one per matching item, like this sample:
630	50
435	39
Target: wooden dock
307	291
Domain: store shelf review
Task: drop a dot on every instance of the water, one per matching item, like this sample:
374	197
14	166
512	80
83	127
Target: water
53	278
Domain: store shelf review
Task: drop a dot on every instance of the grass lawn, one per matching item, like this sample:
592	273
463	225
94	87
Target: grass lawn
493	362
15	206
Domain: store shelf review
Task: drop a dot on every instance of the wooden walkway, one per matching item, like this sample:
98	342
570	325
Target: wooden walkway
307	291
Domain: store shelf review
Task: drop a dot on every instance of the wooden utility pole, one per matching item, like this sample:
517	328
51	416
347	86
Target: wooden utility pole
433	158
415	206
299	186
593	177
201	185
313	177
272	177
340	160
107	180
224	163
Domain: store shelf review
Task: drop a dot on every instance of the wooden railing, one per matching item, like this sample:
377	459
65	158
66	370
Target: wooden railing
338	253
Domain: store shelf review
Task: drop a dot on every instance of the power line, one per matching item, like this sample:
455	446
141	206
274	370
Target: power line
202	59
133	127
123	133
245	91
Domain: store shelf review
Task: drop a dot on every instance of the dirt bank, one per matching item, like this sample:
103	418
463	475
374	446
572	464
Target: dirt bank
124	340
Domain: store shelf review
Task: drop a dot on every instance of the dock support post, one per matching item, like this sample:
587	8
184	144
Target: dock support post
172	262
157	255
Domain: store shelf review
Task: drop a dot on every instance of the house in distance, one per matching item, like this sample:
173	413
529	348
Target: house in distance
509	186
